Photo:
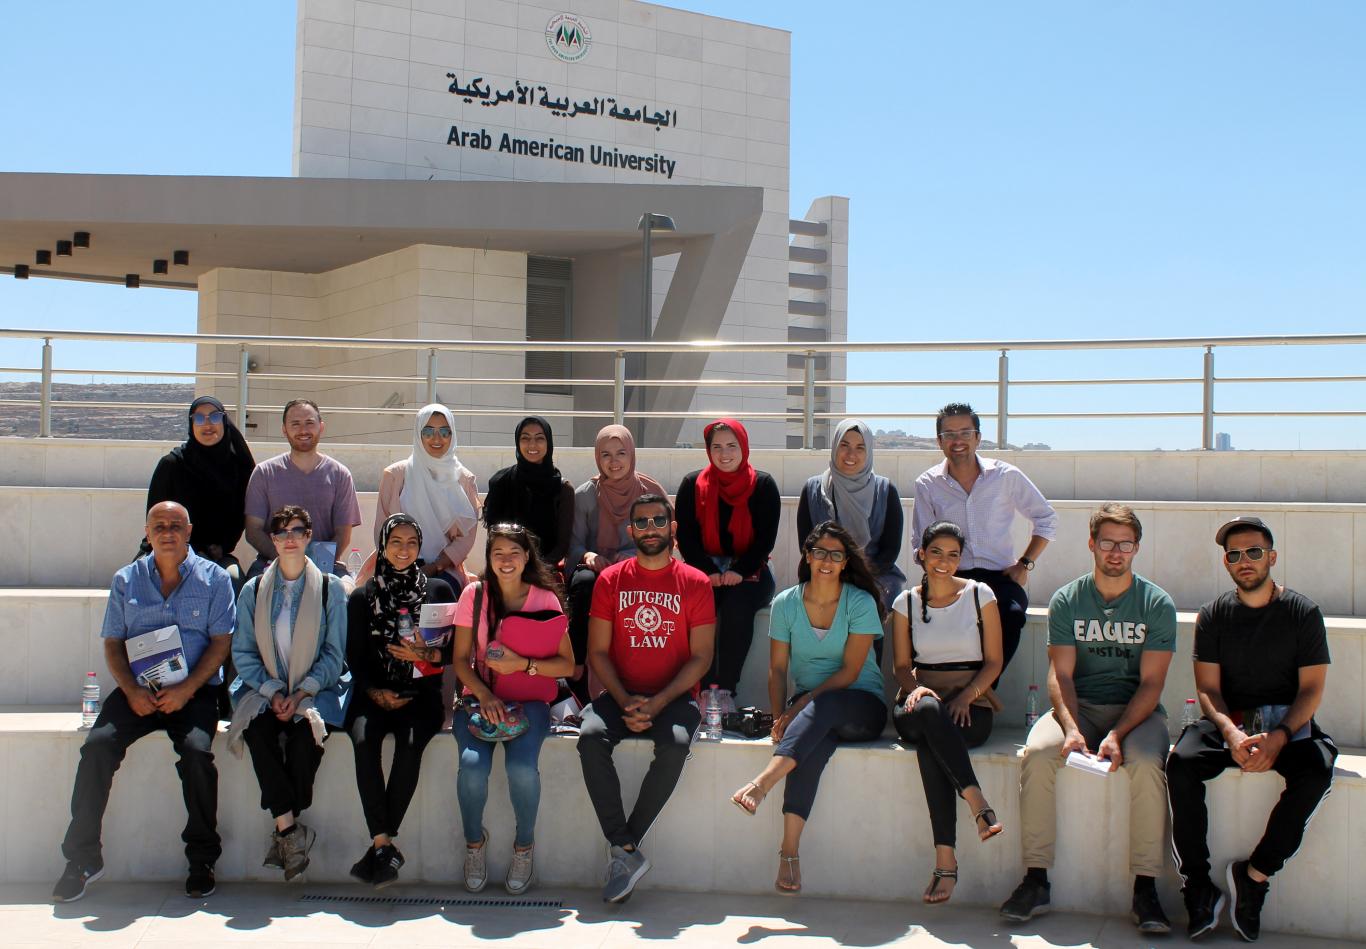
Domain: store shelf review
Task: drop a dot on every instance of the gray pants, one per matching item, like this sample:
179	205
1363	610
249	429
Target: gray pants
1144	750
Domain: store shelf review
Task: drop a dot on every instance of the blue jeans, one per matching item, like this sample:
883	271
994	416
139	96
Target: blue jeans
520	755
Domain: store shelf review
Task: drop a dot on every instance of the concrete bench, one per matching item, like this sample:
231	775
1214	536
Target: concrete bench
868	836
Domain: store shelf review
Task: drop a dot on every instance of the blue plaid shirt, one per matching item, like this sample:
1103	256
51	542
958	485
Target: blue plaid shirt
202	605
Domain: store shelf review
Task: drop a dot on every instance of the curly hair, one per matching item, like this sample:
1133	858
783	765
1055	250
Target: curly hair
932	533
856	570
536	572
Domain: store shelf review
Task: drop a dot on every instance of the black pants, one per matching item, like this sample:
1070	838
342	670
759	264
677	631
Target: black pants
603	729
942	753
810	739
735	609
1199	754
580	601
412	726
285	758
191	731
1013	603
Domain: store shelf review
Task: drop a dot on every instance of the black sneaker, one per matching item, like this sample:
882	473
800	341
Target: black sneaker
1248	897
200	881
387	863
363	869
1030	899
1147	913
1204	903
74	881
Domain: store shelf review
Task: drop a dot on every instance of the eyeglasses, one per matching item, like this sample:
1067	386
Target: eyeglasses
820	553
645	523
962	435
1253	553
1123	546
428	431
215	417
287	533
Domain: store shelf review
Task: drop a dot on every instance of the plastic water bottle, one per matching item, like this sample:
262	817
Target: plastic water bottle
711	722
1032	707
90	701
727	702
1190	715
405	624
354	561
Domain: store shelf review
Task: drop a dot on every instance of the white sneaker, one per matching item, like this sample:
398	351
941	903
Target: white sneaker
519	872
476	865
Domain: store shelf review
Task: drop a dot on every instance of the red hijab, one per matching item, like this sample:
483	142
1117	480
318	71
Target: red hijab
735	488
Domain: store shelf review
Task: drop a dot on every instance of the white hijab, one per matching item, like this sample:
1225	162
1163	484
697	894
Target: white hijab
432	493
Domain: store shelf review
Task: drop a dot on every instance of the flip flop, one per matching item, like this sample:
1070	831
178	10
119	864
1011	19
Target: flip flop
986	820
933	891
788	881
738	798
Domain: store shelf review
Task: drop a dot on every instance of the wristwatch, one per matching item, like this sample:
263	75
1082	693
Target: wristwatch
531	667
1026	563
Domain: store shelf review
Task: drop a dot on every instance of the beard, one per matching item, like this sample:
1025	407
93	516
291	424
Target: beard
1110	571
1254	582
651	546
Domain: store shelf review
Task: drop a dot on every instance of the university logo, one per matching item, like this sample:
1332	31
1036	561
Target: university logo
648	619
568	37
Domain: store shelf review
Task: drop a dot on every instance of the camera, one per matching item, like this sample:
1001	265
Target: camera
750	722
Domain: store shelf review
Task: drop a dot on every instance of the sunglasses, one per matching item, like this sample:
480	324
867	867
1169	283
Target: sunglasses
820	553
428	431
1253	553
215	417
1123	546
297	533
962	435
645	523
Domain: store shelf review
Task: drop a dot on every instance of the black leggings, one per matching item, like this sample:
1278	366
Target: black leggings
580	601
942	752
413	726
735	609
1013	604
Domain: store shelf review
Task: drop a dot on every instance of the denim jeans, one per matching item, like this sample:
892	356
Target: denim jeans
520	755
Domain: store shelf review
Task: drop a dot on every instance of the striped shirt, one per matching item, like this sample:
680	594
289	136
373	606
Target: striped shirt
985	515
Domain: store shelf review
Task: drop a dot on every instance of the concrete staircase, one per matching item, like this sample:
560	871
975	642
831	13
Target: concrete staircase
74	512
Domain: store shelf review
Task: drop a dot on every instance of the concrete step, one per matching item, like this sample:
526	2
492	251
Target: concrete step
1271	476
701	842
51	639
79	536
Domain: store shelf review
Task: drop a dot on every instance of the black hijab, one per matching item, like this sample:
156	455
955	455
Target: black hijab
389	591
534	486
209	480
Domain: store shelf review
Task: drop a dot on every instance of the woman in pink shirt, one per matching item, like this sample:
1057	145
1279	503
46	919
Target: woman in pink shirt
521	612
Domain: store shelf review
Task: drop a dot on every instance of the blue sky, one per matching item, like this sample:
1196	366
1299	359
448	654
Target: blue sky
1043	170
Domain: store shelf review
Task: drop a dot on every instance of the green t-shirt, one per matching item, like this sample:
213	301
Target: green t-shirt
1111	637
814	659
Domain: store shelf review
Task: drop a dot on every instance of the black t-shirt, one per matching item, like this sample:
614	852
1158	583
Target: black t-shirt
1260	651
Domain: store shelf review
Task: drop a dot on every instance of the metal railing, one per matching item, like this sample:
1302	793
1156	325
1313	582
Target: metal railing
619	351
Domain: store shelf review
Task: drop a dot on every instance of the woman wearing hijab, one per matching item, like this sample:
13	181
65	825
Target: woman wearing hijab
602	506
208	475
863	503
396	684
727	526
532	492
438	491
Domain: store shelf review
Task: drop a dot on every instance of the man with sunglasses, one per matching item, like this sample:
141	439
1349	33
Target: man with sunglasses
306	477
1111	635
650	640
982	496
1261	661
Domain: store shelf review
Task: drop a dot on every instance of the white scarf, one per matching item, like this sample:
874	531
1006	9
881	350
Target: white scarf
432	492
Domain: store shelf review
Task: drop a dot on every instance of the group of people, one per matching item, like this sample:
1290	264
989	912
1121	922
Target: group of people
635	602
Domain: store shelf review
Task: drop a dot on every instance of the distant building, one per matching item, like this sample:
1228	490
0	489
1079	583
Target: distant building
1223	441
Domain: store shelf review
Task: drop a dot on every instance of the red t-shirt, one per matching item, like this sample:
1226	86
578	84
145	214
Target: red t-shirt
652	613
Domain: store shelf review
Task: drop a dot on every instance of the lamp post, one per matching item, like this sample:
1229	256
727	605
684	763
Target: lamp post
649	222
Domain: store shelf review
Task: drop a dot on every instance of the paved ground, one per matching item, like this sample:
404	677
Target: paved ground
147	916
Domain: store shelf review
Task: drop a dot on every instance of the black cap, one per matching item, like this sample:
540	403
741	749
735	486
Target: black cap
1241	522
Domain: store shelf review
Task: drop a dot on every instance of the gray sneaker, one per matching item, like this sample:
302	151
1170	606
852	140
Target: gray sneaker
294	848
273	860
624	870
476	865
519	872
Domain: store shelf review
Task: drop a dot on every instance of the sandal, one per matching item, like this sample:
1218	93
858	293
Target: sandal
749	790
932	891
987	824
789	874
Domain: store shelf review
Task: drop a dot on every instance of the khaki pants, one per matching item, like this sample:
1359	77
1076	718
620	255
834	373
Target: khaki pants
1145	751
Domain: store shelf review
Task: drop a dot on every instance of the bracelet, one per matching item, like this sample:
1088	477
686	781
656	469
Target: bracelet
527	668
1283	727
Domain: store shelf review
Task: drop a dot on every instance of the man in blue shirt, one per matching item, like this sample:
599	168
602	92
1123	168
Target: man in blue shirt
172	586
